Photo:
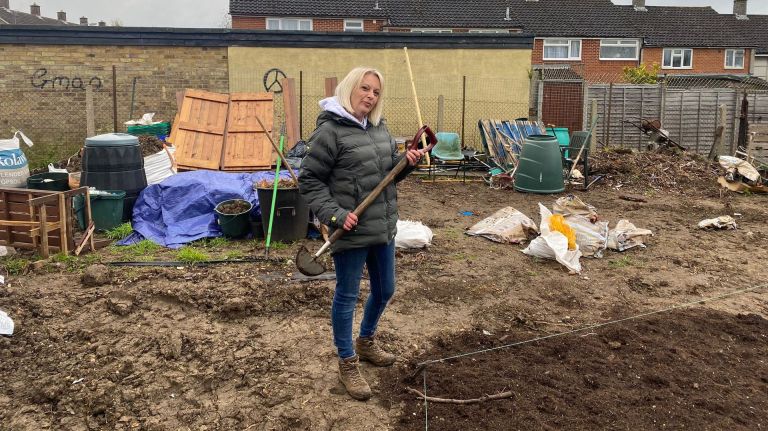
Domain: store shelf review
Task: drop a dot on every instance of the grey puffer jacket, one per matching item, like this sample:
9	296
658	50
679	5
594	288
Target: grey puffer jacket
344	164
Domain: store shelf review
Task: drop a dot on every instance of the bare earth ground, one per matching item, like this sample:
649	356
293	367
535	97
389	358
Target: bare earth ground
247	347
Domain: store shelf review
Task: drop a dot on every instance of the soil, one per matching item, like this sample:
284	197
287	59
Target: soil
149	145
234	207
283	183
248	345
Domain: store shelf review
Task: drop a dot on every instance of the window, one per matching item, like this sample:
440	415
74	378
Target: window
289	24
562	49
431	30
677	58
353	25
617	49
488	30
734	58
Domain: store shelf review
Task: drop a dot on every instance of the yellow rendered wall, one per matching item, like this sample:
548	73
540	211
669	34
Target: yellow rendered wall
497	82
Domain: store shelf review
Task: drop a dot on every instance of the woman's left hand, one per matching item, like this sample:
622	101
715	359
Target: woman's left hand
414	156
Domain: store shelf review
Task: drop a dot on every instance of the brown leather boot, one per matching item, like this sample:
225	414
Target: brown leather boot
350	376
369	351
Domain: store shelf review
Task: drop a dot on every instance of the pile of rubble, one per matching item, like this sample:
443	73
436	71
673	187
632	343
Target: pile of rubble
661	171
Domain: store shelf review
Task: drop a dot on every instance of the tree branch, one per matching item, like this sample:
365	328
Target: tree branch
484	398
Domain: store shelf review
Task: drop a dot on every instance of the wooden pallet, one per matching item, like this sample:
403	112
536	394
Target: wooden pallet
758	145
219	131
39	219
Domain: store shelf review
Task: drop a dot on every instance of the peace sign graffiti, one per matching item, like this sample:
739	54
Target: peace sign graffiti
272	80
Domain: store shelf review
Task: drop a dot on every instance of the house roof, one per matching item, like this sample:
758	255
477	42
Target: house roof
756	32
567	18
309	8
690	27
14	17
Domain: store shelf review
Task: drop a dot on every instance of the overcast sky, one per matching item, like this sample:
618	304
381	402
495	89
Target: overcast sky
213	13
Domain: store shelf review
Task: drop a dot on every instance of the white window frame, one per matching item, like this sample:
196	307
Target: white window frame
488	30
354	28
561	42
733	53
431	30
623	43
281	21
674	54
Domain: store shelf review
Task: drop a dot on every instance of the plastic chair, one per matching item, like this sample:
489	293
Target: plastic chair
447	152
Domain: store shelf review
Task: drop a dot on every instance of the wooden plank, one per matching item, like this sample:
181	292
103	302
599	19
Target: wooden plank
247	146
330	86
43	234
198	134
291	112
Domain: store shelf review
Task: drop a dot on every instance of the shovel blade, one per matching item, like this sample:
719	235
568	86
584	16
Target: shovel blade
307	264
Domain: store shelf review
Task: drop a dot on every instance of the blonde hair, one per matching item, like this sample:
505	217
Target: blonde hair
352	81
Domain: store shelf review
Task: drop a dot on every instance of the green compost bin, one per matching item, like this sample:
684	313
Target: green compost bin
540	169
106	209
234	225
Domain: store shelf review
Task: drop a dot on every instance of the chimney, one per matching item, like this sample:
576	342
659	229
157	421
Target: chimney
34	9
740	8
639	5
102	24
61	15
5	3
83	20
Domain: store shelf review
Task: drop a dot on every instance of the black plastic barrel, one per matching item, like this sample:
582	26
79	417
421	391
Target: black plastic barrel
234	225
113	162
291	214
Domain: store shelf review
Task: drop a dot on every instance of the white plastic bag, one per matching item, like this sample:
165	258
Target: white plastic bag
592	238
506	225
14	168
412	234
6	324
626	235
553	245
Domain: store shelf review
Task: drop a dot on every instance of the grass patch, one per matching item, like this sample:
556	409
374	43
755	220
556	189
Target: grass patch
15	265
141	251
119	232
277	245
219	242
191	254
623	262
234	255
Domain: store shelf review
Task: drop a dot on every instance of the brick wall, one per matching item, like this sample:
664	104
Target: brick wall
590	65
705	60
43	87
249	22
318	24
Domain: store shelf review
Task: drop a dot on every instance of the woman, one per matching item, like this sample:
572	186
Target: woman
350	153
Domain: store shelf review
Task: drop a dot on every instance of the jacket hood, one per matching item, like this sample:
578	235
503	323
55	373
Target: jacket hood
332	105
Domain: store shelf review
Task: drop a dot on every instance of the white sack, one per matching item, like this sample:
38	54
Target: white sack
722	222
159	166
6	324
412	234
734	164
506	225
573	205
592	238
14	167
553	245
625	236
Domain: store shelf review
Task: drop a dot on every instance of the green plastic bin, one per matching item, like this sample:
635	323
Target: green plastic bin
541	166
106	209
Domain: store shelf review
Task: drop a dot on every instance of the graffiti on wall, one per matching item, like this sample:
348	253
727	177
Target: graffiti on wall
272	80
42	80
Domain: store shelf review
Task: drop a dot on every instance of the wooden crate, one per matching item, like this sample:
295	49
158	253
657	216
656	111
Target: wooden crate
39	219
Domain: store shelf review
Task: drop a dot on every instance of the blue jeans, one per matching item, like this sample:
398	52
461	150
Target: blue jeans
380	260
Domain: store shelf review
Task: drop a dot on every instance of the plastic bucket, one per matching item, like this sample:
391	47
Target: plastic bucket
106	209
234	225
291	214
541	166
55	181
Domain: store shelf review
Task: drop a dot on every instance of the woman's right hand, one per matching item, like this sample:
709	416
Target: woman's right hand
350	222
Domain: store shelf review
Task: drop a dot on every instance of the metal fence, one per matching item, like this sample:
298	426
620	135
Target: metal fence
688	108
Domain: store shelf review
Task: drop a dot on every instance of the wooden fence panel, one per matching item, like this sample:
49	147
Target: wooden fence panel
247	146
198	135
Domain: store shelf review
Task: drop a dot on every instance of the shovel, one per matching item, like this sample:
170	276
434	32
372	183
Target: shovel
307	263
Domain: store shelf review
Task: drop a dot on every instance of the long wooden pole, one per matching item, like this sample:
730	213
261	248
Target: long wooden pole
416	100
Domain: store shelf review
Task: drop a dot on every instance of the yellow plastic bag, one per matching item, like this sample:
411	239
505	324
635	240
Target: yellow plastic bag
557	223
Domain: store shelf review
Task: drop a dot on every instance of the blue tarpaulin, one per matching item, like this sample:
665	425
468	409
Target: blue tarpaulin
179	210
